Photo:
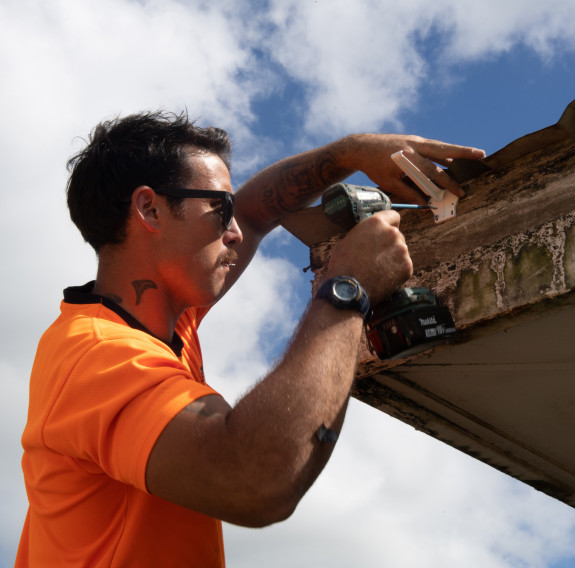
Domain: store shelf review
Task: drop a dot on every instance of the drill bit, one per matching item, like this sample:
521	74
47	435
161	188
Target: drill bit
410	206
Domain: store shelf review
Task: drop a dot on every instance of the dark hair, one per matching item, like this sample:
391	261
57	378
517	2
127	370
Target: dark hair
141	149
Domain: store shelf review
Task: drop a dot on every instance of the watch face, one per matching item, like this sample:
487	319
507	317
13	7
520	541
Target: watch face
345	290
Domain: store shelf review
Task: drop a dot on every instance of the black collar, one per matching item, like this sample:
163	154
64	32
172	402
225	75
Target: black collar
85	295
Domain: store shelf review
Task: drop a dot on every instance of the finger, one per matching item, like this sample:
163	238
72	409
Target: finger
443	179
436	150
391	217
445	162
438	176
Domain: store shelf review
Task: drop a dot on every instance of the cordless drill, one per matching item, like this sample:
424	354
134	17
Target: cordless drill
412	320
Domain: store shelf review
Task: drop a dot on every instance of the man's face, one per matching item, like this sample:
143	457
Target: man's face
195	249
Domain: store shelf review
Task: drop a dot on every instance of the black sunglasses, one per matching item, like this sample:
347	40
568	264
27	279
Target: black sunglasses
226	197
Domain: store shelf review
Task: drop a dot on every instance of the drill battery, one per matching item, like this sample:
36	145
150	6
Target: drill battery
412	321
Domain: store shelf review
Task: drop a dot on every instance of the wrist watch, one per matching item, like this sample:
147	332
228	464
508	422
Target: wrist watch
345	293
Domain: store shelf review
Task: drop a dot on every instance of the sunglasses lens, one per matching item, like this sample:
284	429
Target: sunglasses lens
228	211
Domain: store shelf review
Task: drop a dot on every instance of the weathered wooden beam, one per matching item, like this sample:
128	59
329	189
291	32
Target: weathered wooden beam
504	390
509	216
511	244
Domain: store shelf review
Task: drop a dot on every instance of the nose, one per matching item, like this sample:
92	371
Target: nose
234	234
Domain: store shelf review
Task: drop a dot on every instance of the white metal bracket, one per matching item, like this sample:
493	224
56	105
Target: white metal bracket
444	202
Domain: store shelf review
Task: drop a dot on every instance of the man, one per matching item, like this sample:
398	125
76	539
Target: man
130	458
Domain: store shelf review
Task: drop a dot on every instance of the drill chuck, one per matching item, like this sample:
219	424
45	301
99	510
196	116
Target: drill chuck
346	205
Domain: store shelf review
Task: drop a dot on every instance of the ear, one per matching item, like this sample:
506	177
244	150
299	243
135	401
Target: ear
145	206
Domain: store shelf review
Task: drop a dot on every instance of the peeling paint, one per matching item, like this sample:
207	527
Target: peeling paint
528	274
498	265
517	270
476	292
569	260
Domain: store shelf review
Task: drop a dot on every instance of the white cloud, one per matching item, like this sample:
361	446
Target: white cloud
245	330
13	405
355	58
364	63
480	30
65	66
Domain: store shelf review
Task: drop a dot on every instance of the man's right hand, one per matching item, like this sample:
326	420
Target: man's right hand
375	253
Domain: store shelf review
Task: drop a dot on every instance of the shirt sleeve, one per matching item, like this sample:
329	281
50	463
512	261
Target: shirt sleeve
115	403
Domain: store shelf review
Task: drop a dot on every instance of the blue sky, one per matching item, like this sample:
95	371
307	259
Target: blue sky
282	76
496	101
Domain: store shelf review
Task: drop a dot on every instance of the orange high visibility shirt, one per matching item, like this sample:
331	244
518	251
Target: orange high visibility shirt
102	390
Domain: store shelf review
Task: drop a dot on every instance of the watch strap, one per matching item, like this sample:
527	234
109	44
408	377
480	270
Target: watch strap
359	301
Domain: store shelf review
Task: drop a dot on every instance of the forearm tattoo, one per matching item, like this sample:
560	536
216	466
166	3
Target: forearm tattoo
299	183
